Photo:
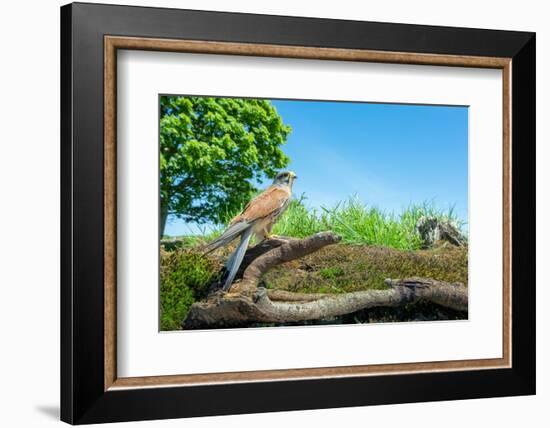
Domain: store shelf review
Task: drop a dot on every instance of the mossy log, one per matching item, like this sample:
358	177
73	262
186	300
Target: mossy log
246	302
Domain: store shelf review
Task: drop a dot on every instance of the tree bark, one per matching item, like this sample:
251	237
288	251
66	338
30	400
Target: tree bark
246	303
163	217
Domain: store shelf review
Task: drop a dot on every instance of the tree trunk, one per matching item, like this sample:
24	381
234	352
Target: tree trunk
163	217
246	303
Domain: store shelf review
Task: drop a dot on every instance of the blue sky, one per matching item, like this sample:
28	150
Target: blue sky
389	155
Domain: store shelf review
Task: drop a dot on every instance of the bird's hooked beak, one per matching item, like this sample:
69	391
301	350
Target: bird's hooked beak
291	177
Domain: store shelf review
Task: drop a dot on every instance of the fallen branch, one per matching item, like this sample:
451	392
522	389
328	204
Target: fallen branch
246	303
272	254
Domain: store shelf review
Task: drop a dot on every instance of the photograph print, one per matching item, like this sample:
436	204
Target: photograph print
280	212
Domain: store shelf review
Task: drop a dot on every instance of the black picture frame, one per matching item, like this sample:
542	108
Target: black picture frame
83	398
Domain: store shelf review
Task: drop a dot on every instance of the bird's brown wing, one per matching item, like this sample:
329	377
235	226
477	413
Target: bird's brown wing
268	202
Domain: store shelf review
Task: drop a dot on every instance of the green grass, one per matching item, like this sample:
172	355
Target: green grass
360	224
354	221
297	221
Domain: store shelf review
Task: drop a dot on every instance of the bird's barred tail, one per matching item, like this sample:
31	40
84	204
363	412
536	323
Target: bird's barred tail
236	258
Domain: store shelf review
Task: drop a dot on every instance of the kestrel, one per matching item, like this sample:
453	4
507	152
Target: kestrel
257	217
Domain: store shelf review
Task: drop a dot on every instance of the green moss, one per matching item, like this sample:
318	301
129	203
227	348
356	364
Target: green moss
344	268
185	276
331	272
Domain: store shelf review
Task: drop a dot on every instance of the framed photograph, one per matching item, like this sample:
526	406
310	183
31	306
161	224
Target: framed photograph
265	213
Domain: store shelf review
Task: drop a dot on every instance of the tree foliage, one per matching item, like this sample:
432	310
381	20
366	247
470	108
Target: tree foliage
212	153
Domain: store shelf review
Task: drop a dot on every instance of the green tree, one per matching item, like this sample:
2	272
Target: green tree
212	151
